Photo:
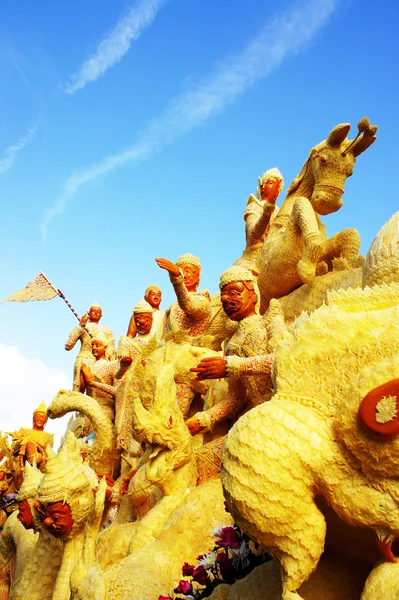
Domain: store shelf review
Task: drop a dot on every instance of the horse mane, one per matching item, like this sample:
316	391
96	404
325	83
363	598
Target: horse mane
299	178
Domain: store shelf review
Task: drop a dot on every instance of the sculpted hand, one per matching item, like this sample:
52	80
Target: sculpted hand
87	374
84	320
193	425
126	361
274	192
166	264
214	367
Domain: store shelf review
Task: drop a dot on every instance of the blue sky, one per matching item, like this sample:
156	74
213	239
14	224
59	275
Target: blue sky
137	129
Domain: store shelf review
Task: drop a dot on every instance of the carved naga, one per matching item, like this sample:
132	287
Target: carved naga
104	456
297	243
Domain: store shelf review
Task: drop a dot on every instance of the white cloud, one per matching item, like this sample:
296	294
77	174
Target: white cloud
115	44
24	383
283	36
10	154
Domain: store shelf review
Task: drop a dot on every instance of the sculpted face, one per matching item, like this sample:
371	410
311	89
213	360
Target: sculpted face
98	349
39	420
191	275
267	187
143	322
95	314
56	517
238	300
154	298
25	514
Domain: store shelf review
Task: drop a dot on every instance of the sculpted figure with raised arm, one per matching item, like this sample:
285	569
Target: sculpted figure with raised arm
89	325
258	215
192	309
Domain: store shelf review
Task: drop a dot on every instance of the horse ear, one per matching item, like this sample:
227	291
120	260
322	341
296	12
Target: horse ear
362	144
338	134
378	411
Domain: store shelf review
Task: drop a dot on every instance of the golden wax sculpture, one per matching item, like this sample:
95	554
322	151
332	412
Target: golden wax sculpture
26	544
16	541
70	509
329	430
118	562
104	457
28	445
297	243
310	440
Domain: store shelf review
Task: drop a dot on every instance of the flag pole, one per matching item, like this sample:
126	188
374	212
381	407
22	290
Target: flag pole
61	295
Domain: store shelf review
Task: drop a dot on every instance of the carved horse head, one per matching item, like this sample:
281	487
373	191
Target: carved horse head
330	163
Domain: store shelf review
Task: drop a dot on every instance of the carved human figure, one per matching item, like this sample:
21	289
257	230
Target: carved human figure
100	380
28	445
139	333
153	295
192	309
258	214
88	326
246	362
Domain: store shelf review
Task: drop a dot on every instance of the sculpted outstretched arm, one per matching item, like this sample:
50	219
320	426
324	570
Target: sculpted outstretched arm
233	366
104	387
115	369
194	305
226	409
76	334
238	366
123	366
256	226
90	381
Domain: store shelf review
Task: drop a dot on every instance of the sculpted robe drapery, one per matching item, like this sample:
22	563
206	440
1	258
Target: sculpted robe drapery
85	335
158	324
131	347
249	369
107	376
258	217
192	310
